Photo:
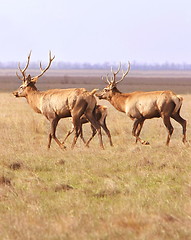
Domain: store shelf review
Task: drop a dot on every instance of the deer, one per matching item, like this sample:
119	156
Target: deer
55	104
100	113
140	106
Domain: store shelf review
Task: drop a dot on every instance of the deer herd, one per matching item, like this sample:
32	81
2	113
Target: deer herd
82	107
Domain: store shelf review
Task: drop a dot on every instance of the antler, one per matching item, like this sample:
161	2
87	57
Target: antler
115	73
24	69
44	70
113	79
107	78
124	74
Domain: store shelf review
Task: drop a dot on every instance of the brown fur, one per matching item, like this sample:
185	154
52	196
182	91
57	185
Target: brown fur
140	106
100	114
55	104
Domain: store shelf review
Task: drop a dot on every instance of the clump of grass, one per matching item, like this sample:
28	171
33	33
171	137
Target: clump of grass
5	181
63	187
15	165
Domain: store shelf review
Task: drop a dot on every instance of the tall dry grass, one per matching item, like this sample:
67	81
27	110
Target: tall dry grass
127	191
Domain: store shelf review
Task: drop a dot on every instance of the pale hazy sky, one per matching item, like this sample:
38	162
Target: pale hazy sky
96	31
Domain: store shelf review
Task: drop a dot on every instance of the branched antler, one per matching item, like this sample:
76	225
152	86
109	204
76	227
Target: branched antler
115	73
45	69
124	74
24	69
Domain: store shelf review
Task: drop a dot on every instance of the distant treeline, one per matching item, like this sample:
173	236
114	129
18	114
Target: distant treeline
106	65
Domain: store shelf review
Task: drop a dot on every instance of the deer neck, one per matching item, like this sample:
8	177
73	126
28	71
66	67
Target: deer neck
33	97
118	100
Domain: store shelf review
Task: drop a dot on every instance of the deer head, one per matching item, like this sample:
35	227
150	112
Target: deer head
108	91
27	80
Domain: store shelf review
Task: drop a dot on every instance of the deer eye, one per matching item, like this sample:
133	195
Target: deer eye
106	89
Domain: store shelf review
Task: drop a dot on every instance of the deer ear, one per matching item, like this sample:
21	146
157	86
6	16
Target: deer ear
28	79
34	79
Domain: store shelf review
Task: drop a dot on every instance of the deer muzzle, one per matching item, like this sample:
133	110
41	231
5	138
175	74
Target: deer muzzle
15	93
99	95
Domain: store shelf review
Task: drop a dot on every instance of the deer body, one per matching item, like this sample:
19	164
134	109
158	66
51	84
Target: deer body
144	104
100	113
55	104
54	101
140	106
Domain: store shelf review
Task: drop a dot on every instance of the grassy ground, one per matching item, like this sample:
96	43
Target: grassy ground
127	191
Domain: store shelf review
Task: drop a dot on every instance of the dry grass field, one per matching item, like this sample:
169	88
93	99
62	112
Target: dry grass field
128	191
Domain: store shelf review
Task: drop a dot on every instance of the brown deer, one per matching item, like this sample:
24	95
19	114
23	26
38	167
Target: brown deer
100	113
55	104
140	106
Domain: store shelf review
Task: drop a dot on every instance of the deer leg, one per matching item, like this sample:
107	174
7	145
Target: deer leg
81	134
68	134
49	140
182	121
52	134
93	134
76	122
71	131
167	123
77	112
83	120
137	126
104	126
138	131
96	125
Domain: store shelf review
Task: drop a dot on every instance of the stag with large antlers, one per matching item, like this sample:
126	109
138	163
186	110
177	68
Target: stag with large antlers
140	106
55	104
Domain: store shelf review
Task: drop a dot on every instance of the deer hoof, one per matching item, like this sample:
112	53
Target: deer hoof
145	143
63	147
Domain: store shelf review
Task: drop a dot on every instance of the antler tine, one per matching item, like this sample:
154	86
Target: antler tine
41	67
19	67
25	68
50	60
102	77
115	73
125	74
107	78
44	70
19	76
